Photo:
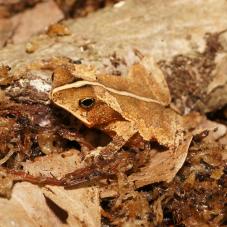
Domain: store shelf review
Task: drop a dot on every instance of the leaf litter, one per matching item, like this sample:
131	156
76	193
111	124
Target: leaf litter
120	185
152	185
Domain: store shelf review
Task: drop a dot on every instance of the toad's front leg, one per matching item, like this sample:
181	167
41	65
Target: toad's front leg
98	164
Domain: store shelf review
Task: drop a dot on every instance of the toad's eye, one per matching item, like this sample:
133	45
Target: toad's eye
87	103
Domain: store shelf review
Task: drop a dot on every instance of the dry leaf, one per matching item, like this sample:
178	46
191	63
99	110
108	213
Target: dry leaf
81	205
54	165
27	207
51	205
198	124
32	21
163	166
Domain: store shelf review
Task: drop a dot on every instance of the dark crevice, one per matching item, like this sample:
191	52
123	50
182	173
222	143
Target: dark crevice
60	213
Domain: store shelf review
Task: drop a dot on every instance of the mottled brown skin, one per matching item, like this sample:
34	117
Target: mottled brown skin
96	116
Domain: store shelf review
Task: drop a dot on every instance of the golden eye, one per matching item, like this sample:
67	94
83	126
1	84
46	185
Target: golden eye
87	103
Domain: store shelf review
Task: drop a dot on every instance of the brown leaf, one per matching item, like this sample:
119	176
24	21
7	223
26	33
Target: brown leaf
81	205
198	124
32	21
51	205
27	207
56	165
163	166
